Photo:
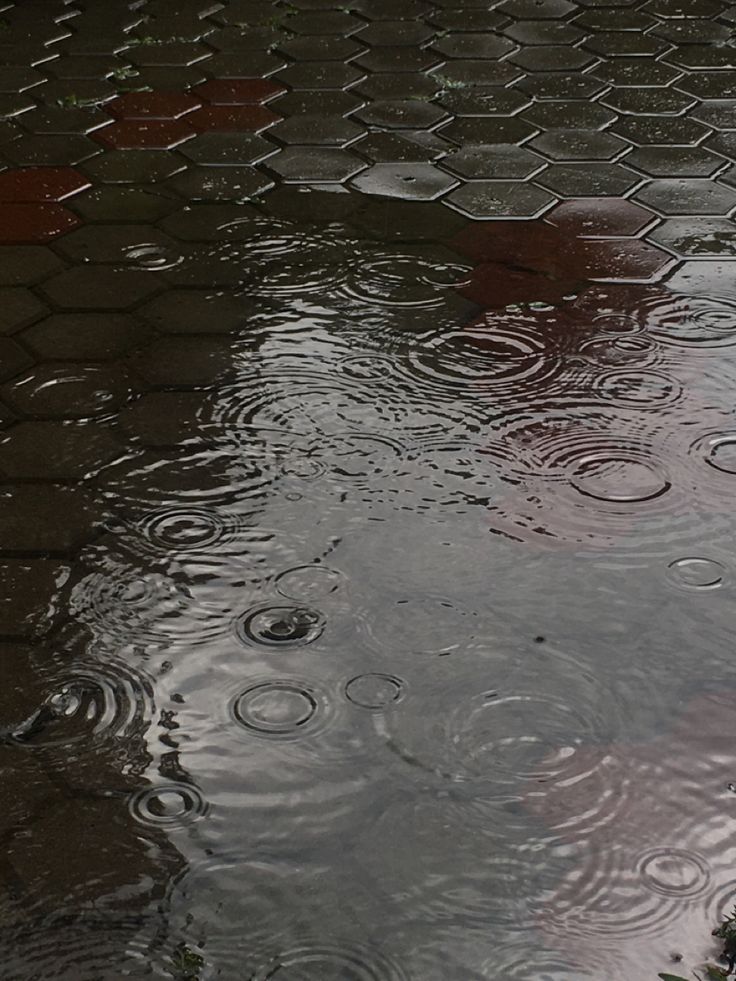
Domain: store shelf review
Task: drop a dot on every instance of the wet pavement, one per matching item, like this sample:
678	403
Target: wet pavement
367	461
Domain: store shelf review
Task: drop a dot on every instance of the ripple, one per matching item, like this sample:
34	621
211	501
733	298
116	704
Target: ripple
693	572
152	256
403	280
319	961
720	452
639	389
172	805
421	625
308	582
674	872
185	529
691	321
281	708
374	690
281	626
616	477
92	704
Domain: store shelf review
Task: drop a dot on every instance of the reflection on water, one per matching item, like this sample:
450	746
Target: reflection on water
393	641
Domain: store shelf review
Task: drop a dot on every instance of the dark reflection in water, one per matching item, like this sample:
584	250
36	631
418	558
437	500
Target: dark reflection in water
392	641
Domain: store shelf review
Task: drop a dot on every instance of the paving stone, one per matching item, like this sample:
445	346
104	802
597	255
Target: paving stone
28	593
483	130
134	166
483	101
68	391
62	120
333	102
687	197
476	72
207	222
552	57
663	101
114	203
692	31
187	311
220	183
683	8
662	131
153	105
544	32
558	85
100	287
409	181
675	161
568	115
405	221
24	265
18	308
398	58
22	224
608	218
314	165
238	91
320	75
160	419
173	54
13	358
466	45
704	277
326	48
37	184
622	44
401	85
536	9
719	115
696	237
317	130
57	450
36	150
145	134
500	162
578	144
500	199
112	243
395	148
227	149
85	336
458	18
709	85
257	64
400	114
185	361
392	32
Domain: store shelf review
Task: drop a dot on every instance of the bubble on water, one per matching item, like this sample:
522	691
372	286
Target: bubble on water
674	872
281	708
281	626
171	805
374	690
693	572
307	582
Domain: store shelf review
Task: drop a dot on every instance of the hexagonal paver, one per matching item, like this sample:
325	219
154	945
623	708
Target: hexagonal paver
145	134
622	44
499	162
57	450
231	118
168	55
487	100
401	114
559	85
578	144
185	361
568	115
664	101
467	45
410	181
29	184
23	265
28	223
29	518
636	72
536	9
40	150
487	130
675	161
398	58
317	130
227	149
18	308
113	243
500	199
85	336
464	73
387	219
552	57
687	197
395	148
320	75
392	32
100	287
709	85
152	105
399	85
13	359
318	165
134	166
189	311
543	32
683	8
591	218
115	203
324	48
704	277
719	115
69	391
325	22
238	91
332	102
220	183
697	237
625	260
160	419
588	180
660	130
207	223
28	593
60	120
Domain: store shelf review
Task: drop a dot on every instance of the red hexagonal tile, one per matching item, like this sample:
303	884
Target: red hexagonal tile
619	261
148	134
238	91
238	119
600	217
22	224
153	105
36	184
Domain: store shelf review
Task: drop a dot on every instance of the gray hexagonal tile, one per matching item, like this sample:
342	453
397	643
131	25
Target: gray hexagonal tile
468	45
504	161
401	114
134	166
393	32
500	199
588	180
317	130
661	131
675	161
85	336
697	237
544	32
112	202
57	449
568	115
552	57
23	265
578	144
660	100
68	391
536	9
13	358
396	148
193	311
484	130
489	100
220	183
460	74
19	307
719	114
683	196
314	165
184	361
112	243
561	85
709	85
320	75
398	58
410	181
